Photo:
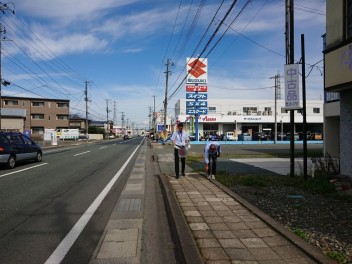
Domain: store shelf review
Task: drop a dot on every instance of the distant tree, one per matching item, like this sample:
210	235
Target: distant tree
96	130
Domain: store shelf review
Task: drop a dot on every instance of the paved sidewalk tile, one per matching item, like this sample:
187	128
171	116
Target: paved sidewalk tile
227	232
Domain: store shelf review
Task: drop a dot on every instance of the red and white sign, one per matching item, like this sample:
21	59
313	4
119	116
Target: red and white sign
196	88
197	70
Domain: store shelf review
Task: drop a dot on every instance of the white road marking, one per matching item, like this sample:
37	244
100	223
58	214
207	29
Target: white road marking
103	147
60	252
81	153
29	168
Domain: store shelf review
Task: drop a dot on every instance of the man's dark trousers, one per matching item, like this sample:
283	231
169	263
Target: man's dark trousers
213	169
177	166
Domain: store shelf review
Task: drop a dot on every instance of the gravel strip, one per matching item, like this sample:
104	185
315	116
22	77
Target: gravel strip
325	222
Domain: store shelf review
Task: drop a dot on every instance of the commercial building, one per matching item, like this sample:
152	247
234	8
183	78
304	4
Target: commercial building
338	83
251	116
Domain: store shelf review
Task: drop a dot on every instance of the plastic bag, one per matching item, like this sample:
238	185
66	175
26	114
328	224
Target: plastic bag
182	152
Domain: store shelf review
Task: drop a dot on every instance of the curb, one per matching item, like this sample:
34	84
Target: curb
308	249
186	248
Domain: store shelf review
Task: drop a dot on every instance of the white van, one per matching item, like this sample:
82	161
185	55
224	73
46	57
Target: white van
230	136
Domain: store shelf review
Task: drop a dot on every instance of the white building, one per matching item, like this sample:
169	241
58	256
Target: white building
251	116
338	83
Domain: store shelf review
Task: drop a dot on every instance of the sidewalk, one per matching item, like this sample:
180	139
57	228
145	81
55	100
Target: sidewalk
225	228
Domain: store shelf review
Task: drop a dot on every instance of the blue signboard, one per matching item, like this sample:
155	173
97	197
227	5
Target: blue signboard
196	103
199	96
197	111
160	127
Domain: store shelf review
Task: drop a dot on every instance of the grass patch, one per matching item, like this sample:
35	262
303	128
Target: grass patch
299	232
311	153
234	176
338	256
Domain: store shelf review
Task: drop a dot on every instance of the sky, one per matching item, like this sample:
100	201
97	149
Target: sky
120	48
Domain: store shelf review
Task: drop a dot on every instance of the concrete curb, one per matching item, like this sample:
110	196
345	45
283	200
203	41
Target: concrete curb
310	250
188	250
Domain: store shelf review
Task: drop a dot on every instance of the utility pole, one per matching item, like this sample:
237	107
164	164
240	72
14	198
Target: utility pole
86	99
150	120
3	8
122	119
277	95
290	60
107	117
115	117
154	118
165	101
2	30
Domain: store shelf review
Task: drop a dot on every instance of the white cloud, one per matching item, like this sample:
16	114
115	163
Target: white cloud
67	9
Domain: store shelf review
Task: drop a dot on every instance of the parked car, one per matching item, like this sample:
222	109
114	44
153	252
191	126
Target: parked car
295	136
230	136
317	136
245	137
192	136
258	136
280	136
16	147
126	137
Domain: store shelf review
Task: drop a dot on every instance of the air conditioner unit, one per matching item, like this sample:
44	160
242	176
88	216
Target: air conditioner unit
249	112
259	113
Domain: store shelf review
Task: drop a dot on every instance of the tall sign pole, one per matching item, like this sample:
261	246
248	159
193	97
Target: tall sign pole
165	101
290	60
304	107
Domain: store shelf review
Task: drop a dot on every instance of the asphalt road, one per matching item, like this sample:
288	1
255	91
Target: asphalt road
41	202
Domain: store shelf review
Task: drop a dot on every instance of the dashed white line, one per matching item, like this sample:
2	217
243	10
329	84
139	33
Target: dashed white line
29	168
103	147
81	153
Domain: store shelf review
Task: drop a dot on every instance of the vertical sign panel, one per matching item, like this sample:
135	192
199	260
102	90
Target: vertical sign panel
292	87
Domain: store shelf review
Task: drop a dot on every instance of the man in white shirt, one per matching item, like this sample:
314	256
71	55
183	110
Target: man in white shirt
212	151
180	140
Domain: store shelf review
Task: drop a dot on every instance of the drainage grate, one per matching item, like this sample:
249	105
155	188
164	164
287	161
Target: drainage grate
129	205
